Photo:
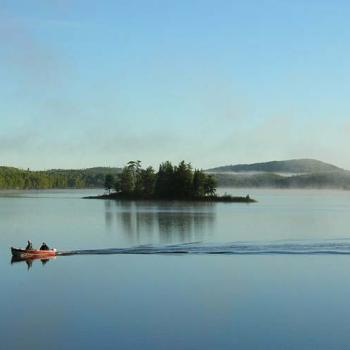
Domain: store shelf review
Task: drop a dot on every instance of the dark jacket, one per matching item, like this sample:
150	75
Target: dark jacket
44	246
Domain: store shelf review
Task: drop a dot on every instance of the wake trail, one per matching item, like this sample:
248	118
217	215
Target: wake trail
239	248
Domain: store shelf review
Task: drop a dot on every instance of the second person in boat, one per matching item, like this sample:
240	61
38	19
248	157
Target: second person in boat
44	246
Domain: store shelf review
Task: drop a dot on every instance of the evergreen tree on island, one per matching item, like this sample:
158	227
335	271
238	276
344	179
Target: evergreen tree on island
109	182
170	182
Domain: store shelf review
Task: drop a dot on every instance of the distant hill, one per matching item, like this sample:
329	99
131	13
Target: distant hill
103	170
293	166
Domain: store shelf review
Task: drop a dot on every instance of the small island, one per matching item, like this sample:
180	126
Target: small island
171	182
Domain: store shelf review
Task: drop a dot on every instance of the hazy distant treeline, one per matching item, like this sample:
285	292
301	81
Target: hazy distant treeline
337	180
13	178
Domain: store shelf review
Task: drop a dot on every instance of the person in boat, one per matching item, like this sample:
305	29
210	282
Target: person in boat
29	245
44	246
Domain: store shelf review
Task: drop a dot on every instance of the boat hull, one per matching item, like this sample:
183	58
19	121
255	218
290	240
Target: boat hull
32	254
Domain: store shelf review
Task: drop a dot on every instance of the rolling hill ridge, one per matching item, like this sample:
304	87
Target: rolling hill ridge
292	166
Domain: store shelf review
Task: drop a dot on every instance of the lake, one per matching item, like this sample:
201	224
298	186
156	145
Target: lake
261	294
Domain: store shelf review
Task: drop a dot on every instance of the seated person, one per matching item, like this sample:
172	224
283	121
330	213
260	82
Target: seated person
29	245
44	246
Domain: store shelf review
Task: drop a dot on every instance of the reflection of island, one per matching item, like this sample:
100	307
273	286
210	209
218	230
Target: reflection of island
29	262
161	222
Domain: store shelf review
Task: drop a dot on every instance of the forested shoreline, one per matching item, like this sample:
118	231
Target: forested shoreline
14	178
19	179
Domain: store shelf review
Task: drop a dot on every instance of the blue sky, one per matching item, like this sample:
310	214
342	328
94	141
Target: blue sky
87	83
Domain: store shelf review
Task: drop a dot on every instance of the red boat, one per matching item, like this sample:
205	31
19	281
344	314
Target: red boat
30	254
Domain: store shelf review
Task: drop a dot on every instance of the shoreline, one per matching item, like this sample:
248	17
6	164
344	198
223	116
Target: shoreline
208	199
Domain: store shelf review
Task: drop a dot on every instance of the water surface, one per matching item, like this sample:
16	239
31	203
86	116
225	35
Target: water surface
176	301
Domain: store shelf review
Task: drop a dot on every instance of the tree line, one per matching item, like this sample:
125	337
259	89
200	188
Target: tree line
13	178
170	182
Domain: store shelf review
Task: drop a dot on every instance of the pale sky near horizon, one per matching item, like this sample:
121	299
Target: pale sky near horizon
97	83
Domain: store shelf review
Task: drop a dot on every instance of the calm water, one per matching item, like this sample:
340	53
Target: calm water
191	301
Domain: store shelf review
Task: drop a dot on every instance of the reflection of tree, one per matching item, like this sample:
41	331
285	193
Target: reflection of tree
164	222
145	223
128	222
108	214
135	223
108	219
175	227
203	223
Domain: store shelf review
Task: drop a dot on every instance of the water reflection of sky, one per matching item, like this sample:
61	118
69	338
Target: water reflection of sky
175	301
163	222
